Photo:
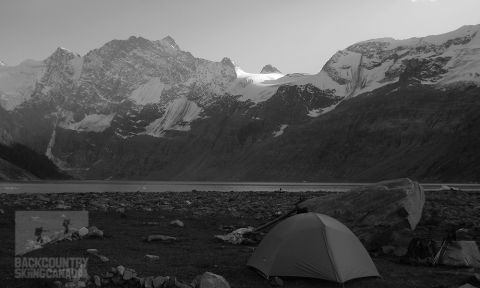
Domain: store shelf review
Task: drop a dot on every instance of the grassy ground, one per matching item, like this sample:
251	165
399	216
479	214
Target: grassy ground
196	251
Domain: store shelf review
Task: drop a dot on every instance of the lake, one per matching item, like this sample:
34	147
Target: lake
183	186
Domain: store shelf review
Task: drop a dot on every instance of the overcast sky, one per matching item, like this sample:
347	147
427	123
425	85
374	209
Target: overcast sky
294	36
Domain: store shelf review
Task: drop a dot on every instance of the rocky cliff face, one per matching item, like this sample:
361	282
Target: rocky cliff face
440	60
137	108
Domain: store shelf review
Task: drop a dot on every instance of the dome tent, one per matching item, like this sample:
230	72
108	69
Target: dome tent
315	246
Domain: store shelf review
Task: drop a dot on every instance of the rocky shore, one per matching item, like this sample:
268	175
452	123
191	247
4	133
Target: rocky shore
127	219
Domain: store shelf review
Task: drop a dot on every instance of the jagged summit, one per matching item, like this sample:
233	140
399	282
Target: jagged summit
169	40
227	61
62	50
61	54
269	69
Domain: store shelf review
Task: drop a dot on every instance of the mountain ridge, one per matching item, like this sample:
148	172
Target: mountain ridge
137	108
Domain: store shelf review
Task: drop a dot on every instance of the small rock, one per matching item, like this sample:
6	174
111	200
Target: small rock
105	282
70	285
94	232
179	284
152	257
103	258
117	280
157	282
160	237
177	223
234	212
92	251
463	234
148	282
110	274
129	274
170	283
388	249
120	270
97	281
276	281
63	207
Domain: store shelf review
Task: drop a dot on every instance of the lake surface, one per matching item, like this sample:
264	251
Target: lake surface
171	186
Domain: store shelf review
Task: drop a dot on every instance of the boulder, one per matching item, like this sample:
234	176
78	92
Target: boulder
94	232
83	231
374	212
129	274
239	236
210	280
120	270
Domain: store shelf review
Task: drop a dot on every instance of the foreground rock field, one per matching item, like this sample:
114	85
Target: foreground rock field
127	219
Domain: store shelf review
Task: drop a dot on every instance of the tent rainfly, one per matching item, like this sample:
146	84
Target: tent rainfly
315	246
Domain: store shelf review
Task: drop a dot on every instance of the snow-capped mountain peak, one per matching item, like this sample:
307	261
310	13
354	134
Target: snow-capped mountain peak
439	60
62	53
269	69
256	87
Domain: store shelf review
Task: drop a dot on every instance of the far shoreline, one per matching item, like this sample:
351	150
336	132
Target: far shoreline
108	186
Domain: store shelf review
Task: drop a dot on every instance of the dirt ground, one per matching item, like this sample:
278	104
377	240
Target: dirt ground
204	215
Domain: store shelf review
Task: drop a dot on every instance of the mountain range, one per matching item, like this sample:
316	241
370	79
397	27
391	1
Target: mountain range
141	109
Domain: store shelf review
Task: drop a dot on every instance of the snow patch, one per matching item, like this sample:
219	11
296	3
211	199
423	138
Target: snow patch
148	93
257	87
320	111
178	116
51	143
90	123
280	131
